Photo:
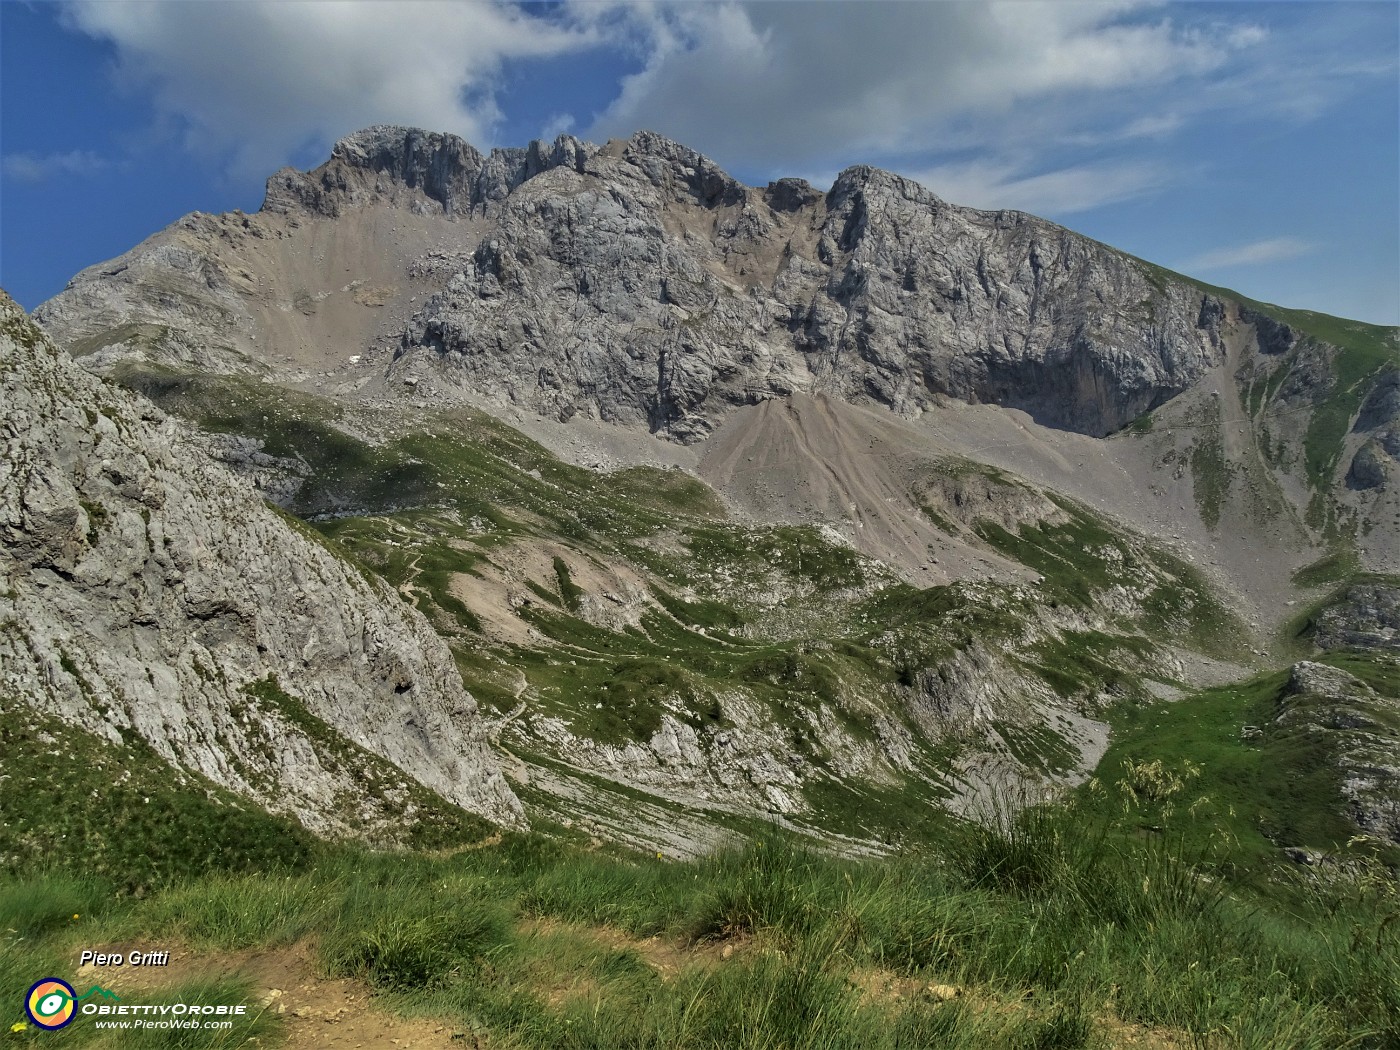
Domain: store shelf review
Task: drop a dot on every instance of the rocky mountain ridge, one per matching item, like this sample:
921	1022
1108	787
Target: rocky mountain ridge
639	283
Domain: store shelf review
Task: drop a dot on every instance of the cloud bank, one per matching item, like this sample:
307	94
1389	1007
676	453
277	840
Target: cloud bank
757	84
256	81
1054	107
1063	191
754	81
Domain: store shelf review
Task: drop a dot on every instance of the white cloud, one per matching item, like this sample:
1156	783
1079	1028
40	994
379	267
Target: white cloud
259	80
1153	126
40	167
1150	127
1050	107
1276	249
556	125
992	185
785	82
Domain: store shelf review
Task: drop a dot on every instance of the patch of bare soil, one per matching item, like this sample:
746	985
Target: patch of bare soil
613	595
882	987
1147	481
593	444
1140	1037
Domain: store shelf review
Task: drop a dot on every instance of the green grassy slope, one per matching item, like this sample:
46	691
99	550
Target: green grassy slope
1057	930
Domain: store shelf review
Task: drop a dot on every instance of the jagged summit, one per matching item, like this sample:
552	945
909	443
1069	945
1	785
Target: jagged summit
859	178
706	293
455	174
436	161
445	168
368	146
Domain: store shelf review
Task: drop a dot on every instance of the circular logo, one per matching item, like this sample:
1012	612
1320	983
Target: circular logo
50	1003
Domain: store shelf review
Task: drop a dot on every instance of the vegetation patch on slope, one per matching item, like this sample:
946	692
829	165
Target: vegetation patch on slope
1356	353
1241	776
809	637
74	800
415	815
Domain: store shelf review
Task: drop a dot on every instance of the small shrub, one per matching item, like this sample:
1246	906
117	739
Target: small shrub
1023	852
771	885
569	591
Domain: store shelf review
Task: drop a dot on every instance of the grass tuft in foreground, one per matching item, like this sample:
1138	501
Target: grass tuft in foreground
1057	927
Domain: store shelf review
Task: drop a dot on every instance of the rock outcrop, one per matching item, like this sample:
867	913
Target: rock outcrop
1378	424
148	591
1354	729
1366	616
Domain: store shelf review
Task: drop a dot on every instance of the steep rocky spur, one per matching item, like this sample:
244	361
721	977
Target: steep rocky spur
148	592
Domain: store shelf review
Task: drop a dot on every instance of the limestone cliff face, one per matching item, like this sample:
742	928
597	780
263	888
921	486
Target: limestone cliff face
443	168
1365	616
1351	726
144	587
638	283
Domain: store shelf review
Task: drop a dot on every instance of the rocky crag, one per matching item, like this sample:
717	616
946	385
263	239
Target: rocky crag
1346	715
1353	731
147	593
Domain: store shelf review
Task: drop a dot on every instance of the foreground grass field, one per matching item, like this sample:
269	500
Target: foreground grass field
1052	931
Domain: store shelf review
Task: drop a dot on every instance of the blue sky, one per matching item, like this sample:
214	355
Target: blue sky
1253	145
